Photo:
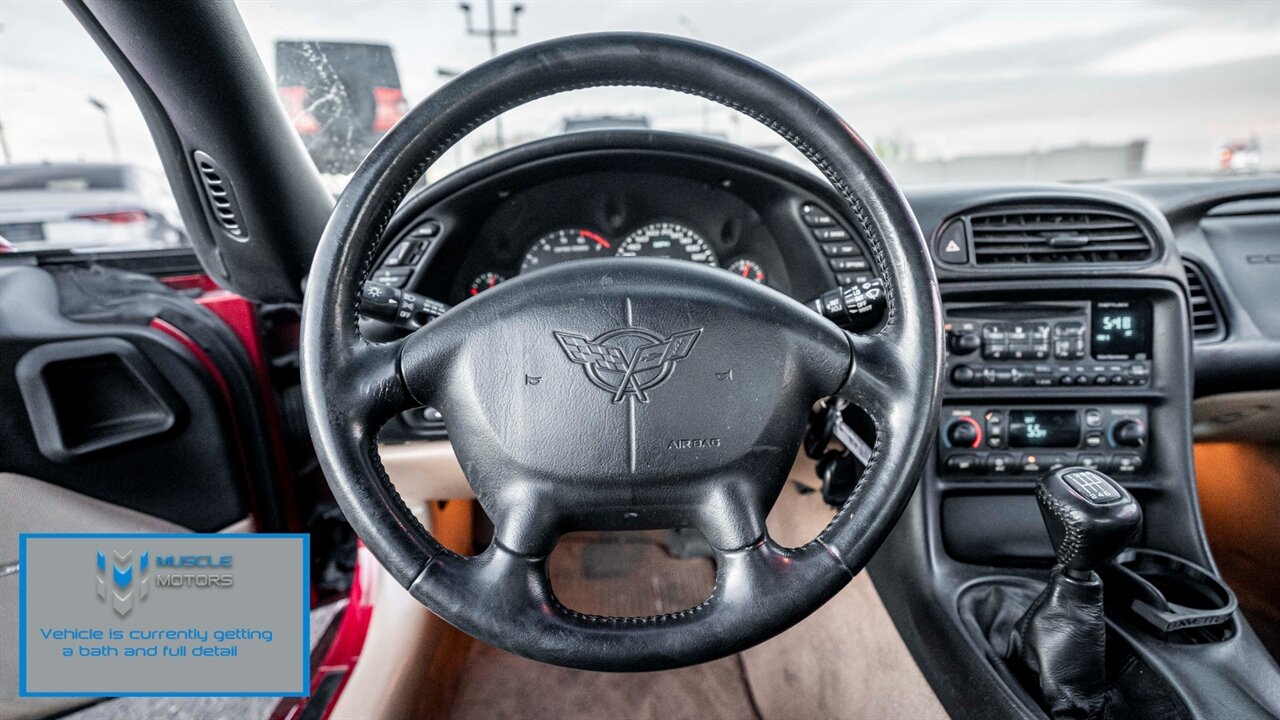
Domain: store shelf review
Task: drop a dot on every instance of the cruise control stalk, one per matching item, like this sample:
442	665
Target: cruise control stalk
852	307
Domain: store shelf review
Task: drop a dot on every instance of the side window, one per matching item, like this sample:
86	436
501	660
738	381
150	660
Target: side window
80	171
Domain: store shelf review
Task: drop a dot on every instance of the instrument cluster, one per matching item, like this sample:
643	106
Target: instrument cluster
671	240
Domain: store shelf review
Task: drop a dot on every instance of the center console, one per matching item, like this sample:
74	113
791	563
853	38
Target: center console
1050	372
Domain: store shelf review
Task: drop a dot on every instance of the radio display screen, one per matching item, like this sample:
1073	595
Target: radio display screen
1044	428
1121	330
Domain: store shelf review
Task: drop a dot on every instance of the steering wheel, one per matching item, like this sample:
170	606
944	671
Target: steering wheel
626	393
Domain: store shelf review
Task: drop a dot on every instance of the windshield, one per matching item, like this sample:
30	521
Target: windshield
945	92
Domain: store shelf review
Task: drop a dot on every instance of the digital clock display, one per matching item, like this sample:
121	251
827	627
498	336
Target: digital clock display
1121	330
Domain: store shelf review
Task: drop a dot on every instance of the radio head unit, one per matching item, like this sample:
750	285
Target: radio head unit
1099	342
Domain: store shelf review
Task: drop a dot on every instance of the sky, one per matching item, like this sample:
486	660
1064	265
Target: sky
946	79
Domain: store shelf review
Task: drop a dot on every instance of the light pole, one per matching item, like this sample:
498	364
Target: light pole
4	142
4	146
493	32
111	131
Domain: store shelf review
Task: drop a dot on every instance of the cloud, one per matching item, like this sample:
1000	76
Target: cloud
953	78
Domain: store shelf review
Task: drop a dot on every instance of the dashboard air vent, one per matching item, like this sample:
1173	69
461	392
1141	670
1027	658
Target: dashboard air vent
222	199
1206	316
1022	236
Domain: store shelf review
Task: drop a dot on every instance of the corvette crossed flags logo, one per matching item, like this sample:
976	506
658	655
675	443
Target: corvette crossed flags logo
628	361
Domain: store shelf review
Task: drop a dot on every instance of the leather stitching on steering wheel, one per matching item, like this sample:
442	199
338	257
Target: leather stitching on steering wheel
819	161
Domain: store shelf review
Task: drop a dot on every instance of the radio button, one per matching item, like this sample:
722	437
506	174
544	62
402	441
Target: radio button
1055	461
1126	463
995	341
999	464
1068	330
963	463
1031	464
1093	418
1089	460
963	375
1044	461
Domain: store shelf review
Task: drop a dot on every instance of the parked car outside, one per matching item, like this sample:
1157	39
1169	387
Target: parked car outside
86	207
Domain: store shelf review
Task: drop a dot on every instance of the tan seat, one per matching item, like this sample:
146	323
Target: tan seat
28	505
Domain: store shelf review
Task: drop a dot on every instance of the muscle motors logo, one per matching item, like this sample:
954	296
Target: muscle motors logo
629	361
119	584
125	579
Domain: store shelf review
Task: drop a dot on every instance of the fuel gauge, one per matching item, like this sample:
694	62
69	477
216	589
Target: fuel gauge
483	282
747	268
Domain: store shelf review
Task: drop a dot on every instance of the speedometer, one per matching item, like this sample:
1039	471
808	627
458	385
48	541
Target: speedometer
562	245
668	240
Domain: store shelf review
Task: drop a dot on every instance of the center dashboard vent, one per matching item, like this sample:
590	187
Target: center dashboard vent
1207	324
1022	236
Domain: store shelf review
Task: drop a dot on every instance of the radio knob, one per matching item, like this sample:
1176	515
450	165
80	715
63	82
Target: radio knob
963	375
964	343
963	432
1128	433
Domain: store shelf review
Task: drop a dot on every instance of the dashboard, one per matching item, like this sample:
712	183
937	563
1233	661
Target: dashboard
1083	338
1085	325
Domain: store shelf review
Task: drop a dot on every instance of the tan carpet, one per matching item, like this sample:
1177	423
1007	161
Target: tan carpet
845	661
608	574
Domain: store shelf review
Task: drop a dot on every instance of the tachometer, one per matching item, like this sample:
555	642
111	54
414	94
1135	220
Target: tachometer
747	268
483	282
562	245
668	240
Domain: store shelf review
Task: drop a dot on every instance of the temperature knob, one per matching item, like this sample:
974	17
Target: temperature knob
963	432
1128	433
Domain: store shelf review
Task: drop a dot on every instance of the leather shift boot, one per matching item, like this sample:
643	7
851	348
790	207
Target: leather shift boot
1061	639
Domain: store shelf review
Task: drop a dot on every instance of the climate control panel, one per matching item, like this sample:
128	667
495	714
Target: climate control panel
1026	440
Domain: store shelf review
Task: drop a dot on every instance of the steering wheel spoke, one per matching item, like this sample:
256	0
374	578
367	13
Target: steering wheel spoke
367	384
878	379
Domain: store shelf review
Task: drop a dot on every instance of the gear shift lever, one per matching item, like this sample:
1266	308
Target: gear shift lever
1061	637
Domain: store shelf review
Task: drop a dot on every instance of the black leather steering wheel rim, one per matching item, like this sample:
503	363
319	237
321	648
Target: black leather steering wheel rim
352	386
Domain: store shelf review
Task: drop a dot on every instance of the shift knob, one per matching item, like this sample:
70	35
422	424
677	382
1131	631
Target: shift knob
1090	517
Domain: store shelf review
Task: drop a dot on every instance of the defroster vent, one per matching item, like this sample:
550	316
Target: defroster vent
221	197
